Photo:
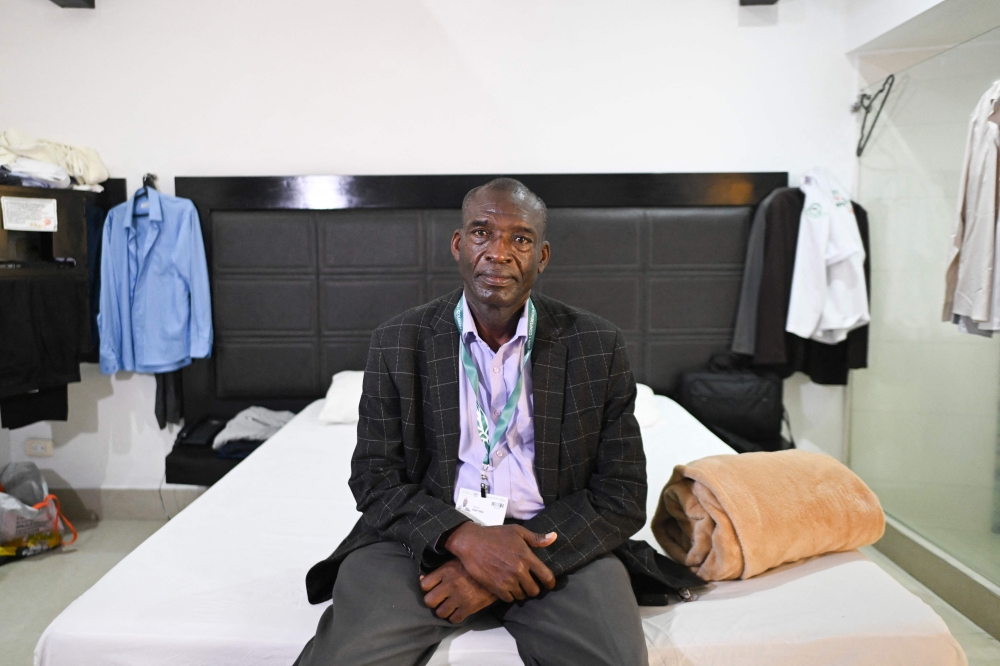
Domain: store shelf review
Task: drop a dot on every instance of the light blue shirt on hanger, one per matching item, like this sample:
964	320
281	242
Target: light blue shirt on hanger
156	312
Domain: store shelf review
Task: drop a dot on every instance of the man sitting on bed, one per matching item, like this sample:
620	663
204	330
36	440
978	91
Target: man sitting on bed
499	470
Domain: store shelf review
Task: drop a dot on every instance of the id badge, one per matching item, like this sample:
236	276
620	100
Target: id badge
488	511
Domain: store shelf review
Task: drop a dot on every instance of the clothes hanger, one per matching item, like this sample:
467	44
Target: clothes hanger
148	182
867	103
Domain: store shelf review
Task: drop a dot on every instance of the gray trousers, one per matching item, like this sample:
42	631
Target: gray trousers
378	617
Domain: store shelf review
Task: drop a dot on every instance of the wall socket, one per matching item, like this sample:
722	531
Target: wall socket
39	448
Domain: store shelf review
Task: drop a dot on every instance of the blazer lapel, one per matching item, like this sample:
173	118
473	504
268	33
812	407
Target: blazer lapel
548	377
442	365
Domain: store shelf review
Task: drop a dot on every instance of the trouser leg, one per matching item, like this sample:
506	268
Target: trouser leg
590	618
378	617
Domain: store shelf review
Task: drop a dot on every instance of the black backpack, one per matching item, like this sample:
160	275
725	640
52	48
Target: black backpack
743	408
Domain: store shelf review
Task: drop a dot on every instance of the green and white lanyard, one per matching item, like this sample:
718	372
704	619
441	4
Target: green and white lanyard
482	423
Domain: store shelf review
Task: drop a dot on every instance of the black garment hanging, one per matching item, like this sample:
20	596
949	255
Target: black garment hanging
95	231
49	404
775	349
43	331
169	406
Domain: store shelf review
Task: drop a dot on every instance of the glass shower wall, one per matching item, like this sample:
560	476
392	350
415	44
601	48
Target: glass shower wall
924	415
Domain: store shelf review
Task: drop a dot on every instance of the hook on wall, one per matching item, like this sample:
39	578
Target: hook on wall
149	180
867	103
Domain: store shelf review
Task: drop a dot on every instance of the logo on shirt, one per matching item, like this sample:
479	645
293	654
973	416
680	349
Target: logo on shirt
814	210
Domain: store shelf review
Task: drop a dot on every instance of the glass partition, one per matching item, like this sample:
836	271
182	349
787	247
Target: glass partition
924	414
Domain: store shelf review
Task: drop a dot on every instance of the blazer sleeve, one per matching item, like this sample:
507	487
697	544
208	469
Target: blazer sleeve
601	517
391	503
200	333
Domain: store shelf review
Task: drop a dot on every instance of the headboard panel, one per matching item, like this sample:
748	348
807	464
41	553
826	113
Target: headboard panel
303	269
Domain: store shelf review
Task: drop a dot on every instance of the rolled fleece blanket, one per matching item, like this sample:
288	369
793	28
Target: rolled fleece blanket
730	517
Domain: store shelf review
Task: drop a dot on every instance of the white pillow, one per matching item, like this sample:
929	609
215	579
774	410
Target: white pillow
646	411
343	398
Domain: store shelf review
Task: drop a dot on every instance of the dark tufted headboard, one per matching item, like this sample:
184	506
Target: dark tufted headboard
303	268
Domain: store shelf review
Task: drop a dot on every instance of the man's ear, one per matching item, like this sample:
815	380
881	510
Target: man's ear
456	243
544	260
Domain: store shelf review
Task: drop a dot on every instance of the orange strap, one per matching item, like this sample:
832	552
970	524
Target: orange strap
59	515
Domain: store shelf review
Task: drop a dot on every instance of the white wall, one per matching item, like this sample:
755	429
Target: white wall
244	87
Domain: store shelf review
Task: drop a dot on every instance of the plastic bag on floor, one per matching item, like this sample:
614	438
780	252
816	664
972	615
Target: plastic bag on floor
31	521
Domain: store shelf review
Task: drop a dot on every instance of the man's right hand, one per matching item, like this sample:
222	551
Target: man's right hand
500	558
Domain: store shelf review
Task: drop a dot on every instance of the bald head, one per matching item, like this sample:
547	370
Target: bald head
516	191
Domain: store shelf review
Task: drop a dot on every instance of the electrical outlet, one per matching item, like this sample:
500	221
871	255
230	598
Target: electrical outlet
39	448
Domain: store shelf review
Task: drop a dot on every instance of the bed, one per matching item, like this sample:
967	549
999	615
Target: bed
302	269
222	583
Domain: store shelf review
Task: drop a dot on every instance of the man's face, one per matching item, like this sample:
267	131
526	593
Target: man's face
500	249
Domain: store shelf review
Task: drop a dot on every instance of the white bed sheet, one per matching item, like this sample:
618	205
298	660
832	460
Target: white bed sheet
222	584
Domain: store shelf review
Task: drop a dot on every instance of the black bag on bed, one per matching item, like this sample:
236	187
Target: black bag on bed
743	408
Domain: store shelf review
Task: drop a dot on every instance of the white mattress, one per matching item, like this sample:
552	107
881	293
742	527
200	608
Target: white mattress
222	584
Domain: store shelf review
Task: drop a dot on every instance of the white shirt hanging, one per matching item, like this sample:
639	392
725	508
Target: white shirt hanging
972	285
829	297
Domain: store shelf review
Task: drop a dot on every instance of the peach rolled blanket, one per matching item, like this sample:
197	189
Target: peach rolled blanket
735	516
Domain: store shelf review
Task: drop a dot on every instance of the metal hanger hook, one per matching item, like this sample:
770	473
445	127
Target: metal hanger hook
866	103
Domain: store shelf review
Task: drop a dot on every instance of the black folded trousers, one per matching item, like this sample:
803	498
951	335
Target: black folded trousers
49	404
43	330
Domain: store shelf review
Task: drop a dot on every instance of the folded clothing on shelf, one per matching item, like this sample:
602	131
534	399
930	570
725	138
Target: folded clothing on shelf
81	162
50	175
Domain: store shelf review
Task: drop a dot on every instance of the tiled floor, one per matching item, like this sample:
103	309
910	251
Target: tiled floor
34	591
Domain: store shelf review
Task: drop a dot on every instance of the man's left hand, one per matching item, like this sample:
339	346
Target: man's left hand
453	593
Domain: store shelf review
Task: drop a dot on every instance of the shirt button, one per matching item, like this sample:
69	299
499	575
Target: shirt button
499	454
496	412
496	369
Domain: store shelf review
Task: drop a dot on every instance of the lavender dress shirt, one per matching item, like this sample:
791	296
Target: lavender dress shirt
512	472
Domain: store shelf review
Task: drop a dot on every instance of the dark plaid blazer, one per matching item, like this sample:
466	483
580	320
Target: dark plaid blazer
589	461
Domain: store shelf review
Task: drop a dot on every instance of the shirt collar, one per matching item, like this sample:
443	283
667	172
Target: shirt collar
155	210
469	324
